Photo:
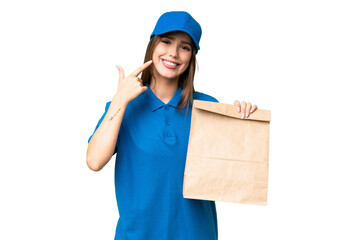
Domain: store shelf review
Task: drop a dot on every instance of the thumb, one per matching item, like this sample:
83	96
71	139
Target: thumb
121	72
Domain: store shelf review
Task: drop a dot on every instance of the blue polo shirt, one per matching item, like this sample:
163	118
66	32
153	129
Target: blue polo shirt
149	172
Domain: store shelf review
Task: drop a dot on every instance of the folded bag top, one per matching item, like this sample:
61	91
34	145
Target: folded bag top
229	110
227	158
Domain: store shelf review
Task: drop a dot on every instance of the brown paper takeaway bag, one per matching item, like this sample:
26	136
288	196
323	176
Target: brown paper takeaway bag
228	157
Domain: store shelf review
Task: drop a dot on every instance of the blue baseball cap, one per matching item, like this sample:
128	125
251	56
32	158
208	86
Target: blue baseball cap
178	21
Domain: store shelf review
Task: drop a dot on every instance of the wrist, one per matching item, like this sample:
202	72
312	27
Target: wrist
119	100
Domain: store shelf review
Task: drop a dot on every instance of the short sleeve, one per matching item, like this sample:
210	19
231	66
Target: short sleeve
100	121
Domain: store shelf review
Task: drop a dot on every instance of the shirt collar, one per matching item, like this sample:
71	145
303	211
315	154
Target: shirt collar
155	103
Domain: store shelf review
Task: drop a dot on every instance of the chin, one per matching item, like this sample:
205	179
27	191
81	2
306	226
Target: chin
170	76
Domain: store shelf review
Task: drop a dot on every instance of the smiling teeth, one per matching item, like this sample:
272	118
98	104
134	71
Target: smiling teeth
170	63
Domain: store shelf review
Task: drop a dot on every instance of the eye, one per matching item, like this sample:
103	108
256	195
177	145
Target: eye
184	47
165	41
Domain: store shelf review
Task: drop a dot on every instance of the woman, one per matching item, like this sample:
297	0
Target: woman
151	144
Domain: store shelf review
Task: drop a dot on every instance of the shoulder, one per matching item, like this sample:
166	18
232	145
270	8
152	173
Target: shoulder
204	97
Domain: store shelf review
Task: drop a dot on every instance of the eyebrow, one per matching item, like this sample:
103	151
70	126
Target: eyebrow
172	38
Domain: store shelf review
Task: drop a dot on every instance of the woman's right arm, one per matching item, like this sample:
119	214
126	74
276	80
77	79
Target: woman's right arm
102	144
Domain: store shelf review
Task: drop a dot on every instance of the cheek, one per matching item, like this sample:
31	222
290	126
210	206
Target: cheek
158	50
187	60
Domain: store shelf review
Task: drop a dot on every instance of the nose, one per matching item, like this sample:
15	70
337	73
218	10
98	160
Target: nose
173	51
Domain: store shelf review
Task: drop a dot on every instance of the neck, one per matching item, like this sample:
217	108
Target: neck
164	89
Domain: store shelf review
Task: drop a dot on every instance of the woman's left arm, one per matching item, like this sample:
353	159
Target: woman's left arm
246	108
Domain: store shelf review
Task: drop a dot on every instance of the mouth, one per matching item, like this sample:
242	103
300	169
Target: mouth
169	64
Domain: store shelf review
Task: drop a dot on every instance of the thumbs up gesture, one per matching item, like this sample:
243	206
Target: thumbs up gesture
131	86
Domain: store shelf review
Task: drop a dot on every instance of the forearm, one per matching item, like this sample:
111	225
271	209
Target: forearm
102	144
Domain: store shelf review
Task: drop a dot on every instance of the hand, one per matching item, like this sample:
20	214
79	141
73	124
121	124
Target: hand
245	108
131	86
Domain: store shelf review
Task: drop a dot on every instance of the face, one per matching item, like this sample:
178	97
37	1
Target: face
171	56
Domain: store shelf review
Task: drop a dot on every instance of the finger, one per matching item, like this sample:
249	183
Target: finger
243	109
141	68
140	80
144	88
248	108
121	72
253	108
237	105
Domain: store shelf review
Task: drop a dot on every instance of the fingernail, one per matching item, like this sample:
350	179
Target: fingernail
149	61
242	115
238	109
247	114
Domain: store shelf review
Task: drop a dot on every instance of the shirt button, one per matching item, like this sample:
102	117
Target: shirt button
167	107
167	122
